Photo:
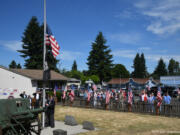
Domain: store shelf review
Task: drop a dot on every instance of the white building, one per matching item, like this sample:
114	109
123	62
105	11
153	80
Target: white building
75	82
15	81
173	81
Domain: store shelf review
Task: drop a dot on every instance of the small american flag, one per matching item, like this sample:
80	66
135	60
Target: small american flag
148	88
108	96
50	40
159	98
94	87
72	95
88	96
130	95
55	89
64	94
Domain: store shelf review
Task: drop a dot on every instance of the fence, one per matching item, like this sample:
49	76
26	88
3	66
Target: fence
172	110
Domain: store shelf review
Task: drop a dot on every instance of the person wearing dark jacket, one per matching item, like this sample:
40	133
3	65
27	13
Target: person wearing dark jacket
50	111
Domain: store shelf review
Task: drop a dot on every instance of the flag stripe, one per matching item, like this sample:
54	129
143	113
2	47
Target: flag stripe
50	40
55	49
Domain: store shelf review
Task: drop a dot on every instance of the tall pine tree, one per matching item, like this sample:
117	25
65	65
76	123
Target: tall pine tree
143	68
19	66
173	67
100	59
176	68
136	66
13	64
160	70
74	66
32	47
139	66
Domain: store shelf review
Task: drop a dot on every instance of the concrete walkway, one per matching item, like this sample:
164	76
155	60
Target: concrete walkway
71	130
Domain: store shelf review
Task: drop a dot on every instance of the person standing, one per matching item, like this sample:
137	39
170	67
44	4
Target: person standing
23	95
179	94
88	98
107	99
95	98
37	96
151	102
51	108
71	95
64	97
158	101
30	102
130	99
144	100
167	101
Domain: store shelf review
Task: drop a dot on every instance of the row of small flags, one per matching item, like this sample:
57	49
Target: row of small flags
8	91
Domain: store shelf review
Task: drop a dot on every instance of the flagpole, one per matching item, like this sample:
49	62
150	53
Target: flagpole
44	57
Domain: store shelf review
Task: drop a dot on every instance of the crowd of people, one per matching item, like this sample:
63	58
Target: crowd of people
120	99
151	101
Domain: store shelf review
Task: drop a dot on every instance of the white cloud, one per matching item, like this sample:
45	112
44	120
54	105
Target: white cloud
144	49
149	56
126	38
70	55
164	15
12	45
166	58
126	14
124	53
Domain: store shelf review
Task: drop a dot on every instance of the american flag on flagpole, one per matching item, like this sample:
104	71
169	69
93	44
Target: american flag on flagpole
50	40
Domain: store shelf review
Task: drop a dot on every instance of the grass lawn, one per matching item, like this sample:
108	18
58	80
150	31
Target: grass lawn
121	123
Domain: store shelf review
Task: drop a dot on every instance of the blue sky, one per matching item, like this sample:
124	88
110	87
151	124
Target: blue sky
130	26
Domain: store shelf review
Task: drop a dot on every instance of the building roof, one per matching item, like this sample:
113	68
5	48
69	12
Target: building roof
126	80
36	74
118	81
73	79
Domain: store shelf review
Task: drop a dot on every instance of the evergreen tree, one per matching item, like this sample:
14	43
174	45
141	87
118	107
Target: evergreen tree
139	66
19	66
173	67
120	70
160	70
136	66
13	64
32	46
176	68
100	59
143	70
74	66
